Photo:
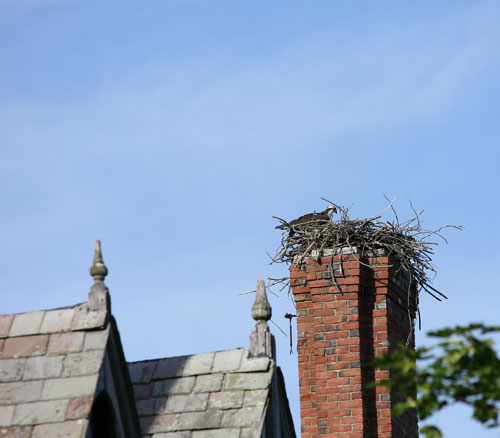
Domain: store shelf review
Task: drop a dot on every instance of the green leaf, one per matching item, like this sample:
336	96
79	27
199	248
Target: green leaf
463	367
430	431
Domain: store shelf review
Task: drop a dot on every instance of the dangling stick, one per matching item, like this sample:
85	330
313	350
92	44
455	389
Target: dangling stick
289	316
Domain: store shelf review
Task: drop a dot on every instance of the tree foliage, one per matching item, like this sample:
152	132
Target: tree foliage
462	367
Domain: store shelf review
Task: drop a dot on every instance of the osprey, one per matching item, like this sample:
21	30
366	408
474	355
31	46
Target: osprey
324	216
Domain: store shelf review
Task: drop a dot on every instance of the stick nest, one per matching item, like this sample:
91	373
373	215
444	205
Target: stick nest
408	241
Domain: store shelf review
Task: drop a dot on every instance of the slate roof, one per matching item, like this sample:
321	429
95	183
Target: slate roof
49	367
63	375
224	394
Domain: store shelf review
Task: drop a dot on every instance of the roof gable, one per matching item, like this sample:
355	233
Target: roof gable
49	367
197	395
63	374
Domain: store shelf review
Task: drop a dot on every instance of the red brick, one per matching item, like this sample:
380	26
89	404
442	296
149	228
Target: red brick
351	257
319	295
334	320
348	341
336	304
317	268
381	284
304	305
348	326
343	310
354	372
383	261
353	272
319	283
382	275
298	274
351	404
329	390
337	335
348	280
351	420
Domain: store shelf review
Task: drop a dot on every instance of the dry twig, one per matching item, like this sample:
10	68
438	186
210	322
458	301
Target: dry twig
407	241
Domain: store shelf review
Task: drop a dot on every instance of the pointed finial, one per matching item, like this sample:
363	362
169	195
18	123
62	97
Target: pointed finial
261	309
98	295
261	340
98	269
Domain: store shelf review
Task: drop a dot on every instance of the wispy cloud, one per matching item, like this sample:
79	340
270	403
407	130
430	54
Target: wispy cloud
312	89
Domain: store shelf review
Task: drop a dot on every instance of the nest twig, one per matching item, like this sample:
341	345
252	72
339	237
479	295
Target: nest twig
408	241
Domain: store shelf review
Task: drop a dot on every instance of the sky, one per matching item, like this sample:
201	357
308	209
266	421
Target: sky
174	130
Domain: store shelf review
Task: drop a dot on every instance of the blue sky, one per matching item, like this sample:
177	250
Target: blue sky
174	131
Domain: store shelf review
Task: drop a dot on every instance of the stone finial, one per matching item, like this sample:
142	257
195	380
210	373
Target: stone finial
261	340
98	295
261	309
98	269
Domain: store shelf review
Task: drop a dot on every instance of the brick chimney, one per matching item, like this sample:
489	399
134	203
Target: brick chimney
351	306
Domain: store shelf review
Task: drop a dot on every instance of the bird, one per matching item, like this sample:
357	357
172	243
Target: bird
323	216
